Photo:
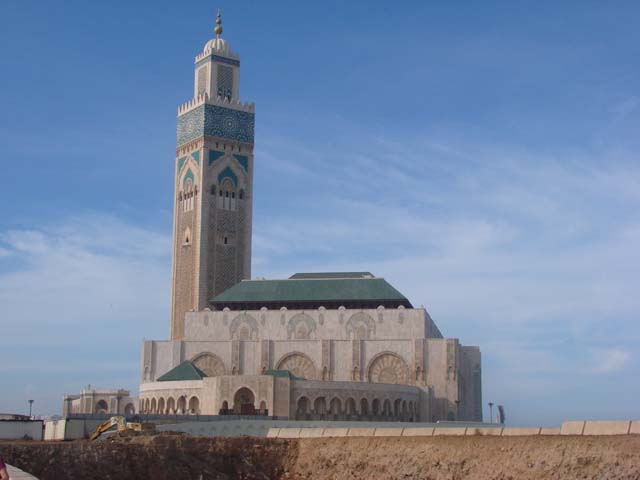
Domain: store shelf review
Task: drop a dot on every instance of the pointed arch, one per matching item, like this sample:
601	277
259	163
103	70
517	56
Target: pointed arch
210	364
188	176
388	367
301	327
227	172
298	364
244	327
360	326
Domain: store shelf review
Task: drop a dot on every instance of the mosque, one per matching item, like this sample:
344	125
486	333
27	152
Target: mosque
333	345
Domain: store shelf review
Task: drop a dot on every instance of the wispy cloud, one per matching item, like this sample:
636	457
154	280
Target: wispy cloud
531	255
77	298
610	360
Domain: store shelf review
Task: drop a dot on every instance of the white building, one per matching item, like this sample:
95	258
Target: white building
320	345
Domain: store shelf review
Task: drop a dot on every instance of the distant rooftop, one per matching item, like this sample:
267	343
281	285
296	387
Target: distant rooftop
312	290
332	275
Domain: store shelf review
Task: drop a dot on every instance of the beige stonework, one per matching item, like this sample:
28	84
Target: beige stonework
388	432
449	431
519	432
106	402
607	428
572	428
386	361
212	215
550	431
418	432
447	379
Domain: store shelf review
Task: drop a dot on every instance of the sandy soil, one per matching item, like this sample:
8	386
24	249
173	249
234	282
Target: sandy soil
173	456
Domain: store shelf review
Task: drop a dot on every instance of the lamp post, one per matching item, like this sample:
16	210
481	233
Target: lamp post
30	407
490	412
457	409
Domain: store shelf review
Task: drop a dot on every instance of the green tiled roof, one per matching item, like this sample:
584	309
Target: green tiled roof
281	373
313	291
317	275
185	371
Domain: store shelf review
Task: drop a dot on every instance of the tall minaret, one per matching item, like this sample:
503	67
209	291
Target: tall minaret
213	184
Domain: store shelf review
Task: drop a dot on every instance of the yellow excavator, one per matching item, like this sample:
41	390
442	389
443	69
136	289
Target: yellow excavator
122	425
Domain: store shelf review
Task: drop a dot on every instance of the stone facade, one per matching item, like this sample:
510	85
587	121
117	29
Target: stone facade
356	347
285	398
213	186
369	355
111	402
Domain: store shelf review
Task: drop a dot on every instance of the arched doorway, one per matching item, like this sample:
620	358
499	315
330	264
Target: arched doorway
171	406
102	407
194	406
364	407
335	407
244	402
129	410
320	406
182	405
350	406
302	408
386	408
375	407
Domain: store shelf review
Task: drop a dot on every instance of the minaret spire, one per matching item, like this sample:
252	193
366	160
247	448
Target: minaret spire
218	29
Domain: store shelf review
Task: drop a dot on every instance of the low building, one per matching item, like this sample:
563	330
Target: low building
110	402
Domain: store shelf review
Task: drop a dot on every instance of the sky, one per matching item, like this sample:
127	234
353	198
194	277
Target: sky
483	157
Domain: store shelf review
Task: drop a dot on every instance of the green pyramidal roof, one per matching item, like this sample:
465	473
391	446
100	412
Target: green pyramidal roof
312	290
185	371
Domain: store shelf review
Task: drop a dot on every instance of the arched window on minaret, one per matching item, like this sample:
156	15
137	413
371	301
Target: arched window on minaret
227	195
188	194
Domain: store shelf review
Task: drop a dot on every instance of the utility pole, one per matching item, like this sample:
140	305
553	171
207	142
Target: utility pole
491	412
30	407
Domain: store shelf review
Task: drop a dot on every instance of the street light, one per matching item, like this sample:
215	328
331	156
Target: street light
491	412
30	407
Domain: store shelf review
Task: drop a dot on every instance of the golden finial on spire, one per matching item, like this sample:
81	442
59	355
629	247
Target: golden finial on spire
218	29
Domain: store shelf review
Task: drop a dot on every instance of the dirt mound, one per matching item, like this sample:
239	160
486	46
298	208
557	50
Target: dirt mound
174	456
478	458
159	457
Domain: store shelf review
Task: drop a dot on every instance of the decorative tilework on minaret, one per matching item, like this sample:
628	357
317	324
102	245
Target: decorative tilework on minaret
213	184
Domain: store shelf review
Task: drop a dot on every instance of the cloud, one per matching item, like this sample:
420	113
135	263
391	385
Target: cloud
78	296
626	107
531	255
610	360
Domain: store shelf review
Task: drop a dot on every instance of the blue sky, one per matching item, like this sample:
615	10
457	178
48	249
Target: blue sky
482	157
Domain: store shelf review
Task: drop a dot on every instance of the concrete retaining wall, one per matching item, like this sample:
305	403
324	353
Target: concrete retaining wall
568	428
572	428
606	428
18	429
69	429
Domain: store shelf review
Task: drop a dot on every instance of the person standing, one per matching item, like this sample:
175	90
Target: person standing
4	475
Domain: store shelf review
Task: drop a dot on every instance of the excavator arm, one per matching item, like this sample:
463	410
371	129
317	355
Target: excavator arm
106	426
